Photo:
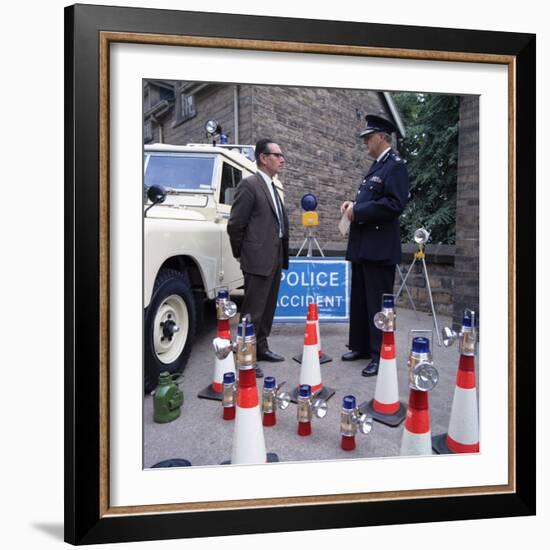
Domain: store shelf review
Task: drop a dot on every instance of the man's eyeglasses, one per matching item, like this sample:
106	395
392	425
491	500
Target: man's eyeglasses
278	155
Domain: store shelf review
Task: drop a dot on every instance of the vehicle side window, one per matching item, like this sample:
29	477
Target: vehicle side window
231	176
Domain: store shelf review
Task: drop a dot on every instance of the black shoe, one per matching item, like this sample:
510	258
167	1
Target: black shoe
259	372
270	356
353	356
371	369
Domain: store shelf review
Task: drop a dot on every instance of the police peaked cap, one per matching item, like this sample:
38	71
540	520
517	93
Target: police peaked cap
376	123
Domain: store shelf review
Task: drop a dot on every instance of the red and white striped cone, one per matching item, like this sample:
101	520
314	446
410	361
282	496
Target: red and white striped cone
323	357
224	329
313	315
417	438
248	437
225	310
214	390
463	434
310	372
386	407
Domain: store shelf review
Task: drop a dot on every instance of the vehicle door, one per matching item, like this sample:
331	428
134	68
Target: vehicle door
231	175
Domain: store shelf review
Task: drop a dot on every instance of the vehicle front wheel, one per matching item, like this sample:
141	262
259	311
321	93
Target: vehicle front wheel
169	327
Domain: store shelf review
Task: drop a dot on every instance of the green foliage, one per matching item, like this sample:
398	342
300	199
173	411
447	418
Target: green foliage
431	151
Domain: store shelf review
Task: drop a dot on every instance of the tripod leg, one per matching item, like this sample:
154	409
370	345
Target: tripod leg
404	280
303	244
431	301
411	301
318	247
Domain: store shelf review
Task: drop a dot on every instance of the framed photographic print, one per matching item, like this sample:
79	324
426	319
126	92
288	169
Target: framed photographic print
134	79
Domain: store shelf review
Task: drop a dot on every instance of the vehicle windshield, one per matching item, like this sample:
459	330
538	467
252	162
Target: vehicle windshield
183	172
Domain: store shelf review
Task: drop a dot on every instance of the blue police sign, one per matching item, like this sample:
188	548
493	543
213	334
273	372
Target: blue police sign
324	281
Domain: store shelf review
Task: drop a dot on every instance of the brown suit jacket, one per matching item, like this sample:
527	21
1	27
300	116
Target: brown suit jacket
254	230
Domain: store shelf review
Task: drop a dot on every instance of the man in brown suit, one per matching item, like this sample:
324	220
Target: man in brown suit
258	232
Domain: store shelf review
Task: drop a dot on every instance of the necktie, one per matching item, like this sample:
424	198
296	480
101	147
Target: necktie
279	210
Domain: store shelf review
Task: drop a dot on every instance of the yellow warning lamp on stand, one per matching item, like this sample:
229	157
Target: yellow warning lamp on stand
310	220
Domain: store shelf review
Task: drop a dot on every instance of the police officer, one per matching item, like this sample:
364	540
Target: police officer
374	245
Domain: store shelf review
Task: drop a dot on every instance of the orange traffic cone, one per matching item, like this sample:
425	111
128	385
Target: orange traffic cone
224	329
310	372
463	434
225	310
248	436
313	315
416	434
223	362
386	407
423	377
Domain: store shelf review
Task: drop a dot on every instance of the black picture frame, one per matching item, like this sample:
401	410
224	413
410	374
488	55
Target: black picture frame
88	518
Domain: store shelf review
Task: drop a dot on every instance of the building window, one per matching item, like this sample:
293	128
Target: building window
146	100
187	107
148	131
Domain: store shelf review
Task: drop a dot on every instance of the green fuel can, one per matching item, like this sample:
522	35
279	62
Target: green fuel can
168	399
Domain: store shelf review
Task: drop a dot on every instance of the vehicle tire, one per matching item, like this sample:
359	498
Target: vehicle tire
169	326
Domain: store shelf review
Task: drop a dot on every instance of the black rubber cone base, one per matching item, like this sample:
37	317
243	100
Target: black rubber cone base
439	445
209	393
172	463
271	457
324	358
326	393
391	420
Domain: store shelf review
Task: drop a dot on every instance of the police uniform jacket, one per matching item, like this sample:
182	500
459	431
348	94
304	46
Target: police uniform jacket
374	233
253	228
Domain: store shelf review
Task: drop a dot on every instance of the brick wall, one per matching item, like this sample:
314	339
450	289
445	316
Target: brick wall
440	270
210	102
317	130
440	260
466	290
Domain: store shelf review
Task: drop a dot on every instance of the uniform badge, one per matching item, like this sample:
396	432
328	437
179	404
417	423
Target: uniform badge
376	179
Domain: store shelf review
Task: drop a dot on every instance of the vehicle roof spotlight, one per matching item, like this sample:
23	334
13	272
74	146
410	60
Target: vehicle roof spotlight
213	128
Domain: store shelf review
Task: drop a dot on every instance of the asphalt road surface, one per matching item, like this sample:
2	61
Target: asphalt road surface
201	436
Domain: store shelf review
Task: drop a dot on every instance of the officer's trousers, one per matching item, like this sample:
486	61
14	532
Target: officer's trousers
368	284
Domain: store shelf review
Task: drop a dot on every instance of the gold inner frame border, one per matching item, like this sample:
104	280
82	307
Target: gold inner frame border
105	40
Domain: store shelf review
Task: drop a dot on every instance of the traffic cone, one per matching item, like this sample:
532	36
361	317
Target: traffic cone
310	372
225	310
463	434
248	436
416	433
224	329
313	315
214	390
386	407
